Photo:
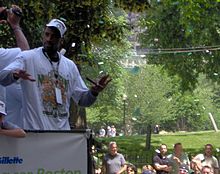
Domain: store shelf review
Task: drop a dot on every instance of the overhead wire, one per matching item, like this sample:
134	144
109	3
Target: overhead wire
183	50
180	51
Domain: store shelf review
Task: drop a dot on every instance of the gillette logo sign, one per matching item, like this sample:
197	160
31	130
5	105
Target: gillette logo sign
10	160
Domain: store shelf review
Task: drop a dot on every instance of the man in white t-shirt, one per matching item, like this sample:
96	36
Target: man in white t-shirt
206	159
102	132
49	80
11	95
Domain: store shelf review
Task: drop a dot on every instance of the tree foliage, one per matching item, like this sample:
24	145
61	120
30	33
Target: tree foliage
108	108
153	97
88	22
184	24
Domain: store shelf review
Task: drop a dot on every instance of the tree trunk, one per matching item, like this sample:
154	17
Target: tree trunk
77	116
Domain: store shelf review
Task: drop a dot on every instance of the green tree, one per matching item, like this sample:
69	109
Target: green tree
193	25
186	114
108	109
153	97
147	91
207	94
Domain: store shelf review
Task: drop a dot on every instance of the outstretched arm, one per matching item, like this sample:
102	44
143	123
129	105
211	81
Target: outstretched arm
23	75
18	132
88	98
7	77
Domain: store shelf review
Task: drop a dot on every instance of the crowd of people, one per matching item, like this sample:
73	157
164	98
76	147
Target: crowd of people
109	132
177	162
37	84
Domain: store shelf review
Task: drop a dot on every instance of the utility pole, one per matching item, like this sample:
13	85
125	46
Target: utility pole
124	113
213	122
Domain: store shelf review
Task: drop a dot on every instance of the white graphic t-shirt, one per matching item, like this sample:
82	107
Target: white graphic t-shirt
46	101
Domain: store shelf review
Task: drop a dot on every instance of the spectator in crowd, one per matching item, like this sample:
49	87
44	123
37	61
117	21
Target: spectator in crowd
131	169
161	162
108	131
156	129
49	80
96	162
113	131
177	158
148	169
7	128
12	94
206	170
113	162
183	169
102	132
206	159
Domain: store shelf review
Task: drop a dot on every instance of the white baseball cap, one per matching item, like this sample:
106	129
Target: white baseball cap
59	25
2	108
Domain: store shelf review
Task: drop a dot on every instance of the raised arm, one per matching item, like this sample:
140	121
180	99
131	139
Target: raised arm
14	21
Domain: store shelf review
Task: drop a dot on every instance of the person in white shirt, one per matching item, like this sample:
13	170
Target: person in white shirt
102	132
12	94
206	159
49	80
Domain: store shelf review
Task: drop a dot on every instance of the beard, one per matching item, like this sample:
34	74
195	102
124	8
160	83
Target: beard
50	48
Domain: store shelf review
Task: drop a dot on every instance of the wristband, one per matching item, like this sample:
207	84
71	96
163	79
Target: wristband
16	28
94	93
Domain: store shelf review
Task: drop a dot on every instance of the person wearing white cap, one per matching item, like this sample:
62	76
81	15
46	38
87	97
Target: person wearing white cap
183	169
11	95
7	128
49	80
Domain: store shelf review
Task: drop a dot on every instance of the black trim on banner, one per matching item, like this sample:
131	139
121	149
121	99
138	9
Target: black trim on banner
60	131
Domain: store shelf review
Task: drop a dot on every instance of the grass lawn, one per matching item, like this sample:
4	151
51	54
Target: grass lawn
134	147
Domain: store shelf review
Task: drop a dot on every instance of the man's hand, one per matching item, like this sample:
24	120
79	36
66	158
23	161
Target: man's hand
14	19
167	168
99	84
22	74
177	159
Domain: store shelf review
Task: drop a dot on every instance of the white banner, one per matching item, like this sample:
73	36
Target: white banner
44	153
